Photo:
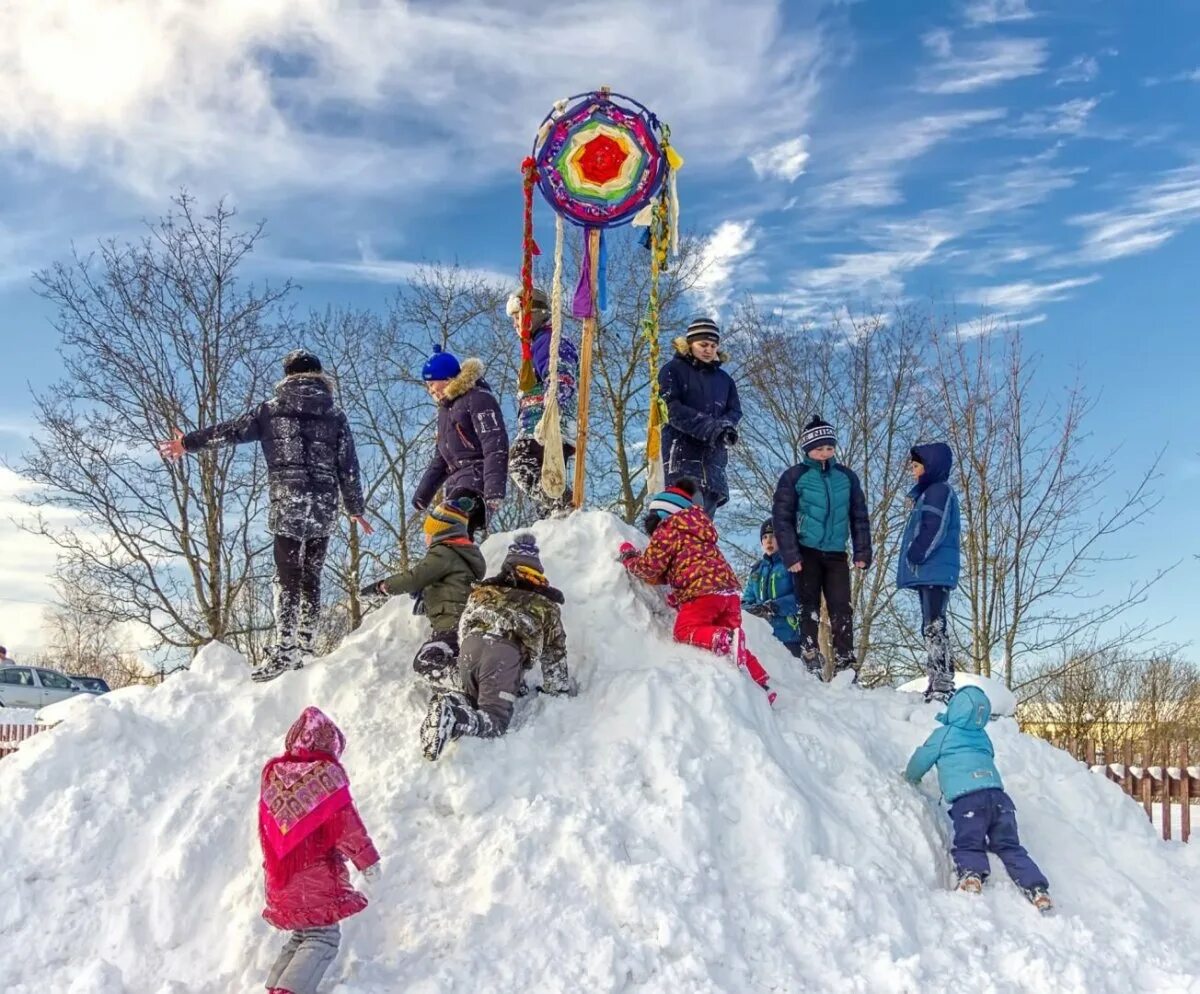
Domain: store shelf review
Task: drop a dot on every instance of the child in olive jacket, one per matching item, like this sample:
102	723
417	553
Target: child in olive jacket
441	584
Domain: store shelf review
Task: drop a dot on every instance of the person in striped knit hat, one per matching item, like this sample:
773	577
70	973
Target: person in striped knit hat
683	554
440	584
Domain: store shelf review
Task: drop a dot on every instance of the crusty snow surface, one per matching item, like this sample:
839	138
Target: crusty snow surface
665	831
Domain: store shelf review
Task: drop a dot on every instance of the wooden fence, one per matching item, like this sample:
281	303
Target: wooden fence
11	736
1147	775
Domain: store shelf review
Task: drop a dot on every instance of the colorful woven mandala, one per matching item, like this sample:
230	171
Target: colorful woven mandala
599	162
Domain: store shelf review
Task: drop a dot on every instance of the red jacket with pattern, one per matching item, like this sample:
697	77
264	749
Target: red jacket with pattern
319	893
683	553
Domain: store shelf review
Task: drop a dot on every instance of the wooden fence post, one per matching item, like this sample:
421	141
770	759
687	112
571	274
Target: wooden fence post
1166	793
1185	795
1126	775
1089	753
1147	782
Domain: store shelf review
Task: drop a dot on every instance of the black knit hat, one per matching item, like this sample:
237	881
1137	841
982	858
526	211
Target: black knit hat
300	361
816	434
702	330
524	552
768	528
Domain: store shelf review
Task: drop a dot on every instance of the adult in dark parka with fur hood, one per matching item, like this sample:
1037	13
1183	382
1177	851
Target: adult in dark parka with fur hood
472	441
309	451
703	411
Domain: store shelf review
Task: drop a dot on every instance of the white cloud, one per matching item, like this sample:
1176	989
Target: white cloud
1069	118
980	64
979	12
377	94
723	253
25	570
1081	69
1028	184
371	267
1014	298
787	160
1153	214
1188	76
874	170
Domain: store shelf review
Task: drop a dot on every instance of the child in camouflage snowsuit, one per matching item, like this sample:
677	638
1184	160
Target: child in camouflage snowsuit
512	623
984	816
440	583
527	453
683	553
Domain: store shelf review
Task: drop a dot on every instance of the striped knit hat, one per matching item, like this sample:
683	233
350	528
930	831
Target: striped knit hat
701	330
670	501
448	520
816	434
524	552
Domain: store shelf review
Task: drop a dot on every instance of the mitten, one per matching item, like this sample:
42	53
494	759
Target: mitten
729	436
626	552
673	600
372	589
418	597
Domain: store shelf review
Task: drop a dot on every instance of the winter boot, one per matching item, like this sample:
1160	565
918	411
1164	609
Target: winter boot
970	882
277	660
844	664
1039	897
305	651
450	716
814	662
437	661
938	696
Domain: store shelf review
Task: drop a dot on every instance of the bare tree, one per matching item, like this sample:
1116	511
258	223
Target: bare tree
1035	519
158	335
83	639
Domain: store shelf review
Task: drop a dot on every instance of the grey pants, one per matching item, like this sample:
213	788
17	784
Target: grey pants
490	670
304	959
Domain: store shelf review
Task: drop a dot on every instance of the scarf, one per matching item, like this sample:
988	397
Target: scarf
300	793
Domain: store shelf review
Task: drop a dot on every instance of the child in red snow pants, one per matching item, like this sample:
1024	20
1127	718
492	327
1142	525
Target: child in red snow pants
709	622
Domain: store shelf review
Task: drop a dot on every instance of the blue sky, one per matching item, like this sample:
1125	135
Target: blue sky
1038	160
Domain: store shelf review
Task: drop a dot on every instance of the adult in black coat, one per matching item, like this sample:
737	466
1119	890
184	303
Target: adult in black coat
310	456
703	411
471	456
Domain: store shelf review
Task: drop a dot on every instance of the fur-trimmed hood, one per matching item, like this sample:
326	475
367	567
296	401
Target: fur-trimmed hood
684	352
469	377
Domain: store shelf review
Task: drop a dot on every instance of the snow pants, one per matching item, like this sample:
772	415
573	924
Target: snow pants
709	622
491	672
986	821
298	565
437	659
525	460
825	574
939	664
304	959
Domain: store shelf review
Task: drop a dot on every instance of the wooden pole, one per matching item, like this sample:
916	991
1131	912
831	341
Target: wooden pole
1185	796
1166	793
586	348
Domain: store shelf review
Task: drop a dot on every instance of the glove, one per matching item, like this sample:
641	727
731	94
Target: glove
766	610
418	603
419	505
373	872
728	436
493	504
372	589
627	551
673	600
570	690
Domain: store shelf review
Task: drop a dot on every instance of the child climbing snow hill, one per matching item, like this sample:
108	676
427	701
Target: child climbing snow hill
984	816
512	623
441	582
683	554
308	827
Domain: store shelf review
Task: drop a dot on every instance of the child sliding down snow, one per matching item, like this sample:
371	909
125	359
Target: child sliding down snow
441	582
984	816
512	623
683	553
309	827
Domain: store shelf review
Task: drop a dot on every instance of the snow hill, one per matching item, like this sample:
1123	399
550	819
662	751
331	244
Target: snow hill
663	832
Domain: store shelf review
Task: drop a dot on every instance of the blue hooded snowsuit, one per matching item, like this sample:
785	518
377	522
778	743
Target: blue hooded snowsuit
984	816
930	555
771	583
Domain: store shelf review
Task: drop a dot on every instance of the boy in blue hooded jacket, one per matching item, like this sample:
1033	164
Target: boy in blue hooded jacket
984	816
770	593
929	559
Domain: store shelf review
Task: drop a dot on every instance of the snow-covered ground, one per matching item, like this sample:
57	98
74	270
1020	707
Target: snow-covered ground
664	831
17	716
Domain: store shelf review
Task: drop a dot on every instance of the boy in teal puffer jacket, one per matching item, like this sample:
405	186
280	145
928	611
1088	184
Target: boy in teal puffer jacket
819	508
984	816
770	594
929	559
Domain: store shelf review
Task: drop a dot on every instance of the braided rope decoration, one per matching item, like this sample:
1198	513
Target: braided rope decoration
660	239
527	379
549	428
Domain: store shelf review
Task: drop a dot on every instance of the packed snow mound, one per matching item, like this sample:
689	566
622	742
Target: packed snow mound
664	831
1004	702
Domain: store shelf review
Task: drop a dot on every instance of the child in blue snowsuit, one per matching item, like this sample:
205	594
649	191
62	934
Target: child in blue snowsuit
984	816
770	594
929	559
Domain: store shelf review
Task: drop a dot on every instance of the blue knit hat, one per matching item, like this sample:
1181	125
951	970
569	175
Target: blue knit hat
441	365
670	501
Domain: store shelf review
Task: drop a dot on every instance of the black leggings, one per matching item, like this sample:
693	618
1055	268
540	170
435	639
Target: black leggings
298	565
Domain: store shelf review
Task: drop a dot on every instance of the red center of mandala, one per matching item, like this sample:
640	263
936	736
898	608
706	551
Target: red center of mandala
601	159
